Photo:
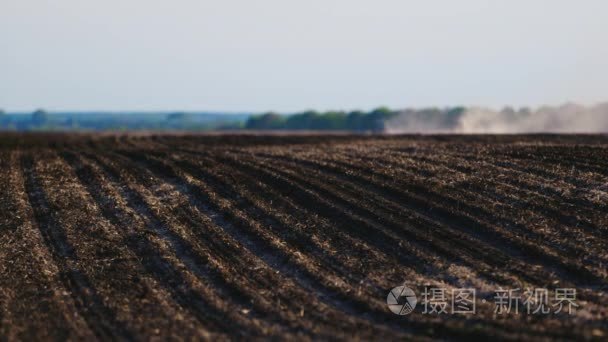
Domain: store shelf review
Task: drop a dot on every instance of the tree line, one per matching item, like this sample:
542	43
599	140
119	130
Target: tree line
376	120
331	120
381	119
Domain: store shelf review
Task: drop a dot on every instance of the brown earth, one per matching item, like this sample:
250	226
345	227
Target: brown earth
203	237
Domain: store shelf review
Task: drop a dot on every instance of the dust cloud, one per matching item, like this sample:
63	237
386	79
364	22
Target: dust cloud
567	118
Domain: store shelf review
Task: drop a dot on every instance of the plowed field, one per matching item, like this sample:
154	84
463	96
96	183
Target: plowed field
237	237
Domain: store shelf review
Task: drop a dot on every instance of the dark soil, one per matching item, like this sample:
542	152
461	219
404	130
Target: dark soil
139	237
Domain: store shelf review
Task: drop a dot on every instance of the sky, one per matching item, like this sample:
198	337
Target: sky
286	55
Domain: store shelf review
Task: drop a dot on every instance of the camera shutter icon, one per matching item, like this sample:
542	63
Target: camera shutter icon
401	300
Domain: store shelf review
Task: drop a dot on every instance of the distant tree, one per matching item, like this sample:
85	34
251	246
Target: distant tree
355	120
312	120
266	121
453	116
40	117
376	119
333	121
303	120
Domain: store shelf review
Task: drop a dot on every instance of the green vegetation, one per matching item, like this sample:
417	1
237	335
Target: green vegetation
378	120
331	120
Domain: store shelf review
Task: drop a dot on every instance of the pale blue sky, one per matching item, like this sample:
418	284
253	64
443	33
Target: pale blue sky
292	55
